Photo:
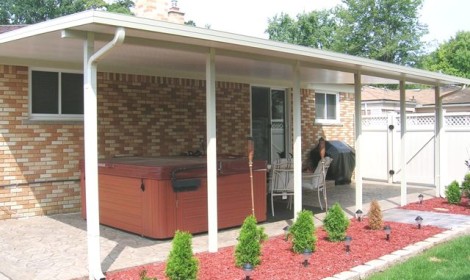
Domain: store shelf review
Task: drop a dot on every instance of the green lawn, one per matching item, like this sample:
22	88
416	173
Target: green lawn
449	261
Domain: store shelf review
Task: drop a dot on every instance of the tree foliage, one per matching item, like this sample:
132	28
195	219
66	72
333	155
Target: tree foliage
314	29
453	193
336	223
303	232
248	249
34	11
385	30
181	263
451	57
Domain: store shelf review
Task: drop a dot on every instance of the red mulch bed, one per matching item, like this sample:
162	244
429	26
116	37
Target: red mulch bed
441	205
278	261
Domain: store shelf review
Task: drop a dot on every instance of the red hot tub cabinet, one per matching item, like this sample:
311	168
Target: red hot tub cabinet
138	194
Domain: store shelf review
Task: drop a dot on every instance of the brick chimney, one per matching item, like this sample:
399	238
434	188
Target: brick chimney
174	14
165	10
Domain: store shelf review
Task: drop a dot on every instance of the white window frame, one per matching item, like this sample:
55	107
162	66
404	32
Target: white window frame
337	119
50	117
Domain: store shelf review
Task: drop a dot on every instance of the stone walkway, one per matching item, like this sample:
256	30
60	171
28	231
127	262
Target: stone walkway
55	247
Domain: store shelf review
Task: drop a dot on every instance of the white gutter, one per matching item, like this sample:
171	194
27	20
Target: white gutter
91	148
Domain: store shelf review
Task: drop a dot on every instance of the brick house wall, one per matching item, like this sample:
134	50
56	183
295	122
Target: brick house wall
35	151
343	131
137	115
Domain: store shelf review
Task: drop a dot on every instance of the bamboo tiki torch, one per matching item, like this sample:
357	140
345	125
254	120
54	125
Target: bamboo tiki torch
251	151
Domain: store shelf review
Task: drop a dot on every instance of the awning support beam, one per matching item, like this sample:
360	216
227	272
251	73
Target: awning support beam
403	142
439	130
358	132
296	101
211	152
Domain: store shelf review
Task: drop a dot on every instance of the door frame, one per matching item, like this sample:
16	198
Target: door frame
287	117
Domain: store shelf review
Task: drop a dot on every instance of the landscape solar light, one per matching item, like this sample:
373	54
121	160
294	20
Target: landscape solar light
359	215
419	220
347	241
307	253
387	230
248	270
286	232
420	197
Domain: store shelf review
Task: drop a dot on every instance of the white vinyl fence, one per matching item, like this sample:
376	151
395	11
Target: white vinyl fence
381	148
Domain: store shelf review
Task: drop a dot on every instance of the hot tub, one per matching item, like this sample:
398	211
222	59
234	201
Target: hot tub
154	197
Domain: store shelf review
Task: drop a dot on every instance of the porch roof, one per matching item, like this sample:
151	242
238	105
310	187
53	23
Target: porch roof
161	48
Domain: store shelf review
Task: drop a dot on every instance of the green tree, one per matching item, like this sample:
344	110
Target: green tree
248	249
385	30
314	29
181	263
336	223
303	232
451	57
34	11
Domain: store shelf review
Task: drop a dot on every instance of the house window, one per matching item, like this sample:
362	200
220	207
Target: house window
56	95
326	107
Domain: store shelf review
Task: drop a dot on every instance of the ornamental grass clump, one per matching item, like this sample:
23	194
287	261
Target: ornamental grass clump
453	193
303	232
248	249
336	223
181	264
375	216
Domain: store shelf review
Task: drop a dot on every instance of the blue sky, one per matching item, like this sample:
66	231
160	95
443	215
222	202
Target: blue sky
250	17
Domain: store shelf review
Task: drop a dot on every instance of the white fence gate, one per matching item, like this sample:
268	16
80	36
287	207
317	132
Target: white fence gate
381	147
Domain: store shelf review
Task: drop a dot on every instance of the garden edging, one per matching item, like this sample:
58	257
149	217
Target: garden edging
399	256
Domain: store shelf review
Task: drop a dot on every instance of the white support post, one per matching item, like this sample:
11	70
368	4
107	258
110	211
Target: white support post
211	152
403	142
438	137
91	147
358	132
297	141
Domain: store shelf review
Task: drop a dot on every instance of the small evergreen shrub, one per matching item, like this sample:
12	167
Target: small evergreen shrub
143	276
303	232
375	216
336	223
181	264
248	249
453	193
466	185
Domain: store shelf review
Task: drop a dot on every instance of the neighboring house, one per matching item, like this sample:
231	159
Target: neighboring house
155	113
376	101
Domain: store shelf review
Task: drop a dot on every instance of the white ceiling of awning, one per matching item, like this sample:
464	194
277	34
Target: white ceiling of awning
167	49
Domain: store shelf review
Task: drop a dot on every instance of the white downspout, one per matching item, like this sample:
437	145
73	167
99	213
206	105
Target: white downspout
358	132
91	148
297	131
